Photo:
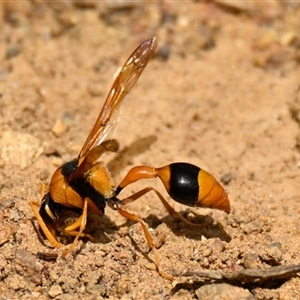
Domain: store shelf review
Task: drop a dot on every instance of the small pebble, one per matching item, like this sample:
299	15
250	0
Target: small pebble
55	290
59	127
223	291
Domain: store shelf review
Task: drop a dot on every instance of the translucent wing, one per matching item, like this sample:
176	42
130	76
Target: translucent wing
123	82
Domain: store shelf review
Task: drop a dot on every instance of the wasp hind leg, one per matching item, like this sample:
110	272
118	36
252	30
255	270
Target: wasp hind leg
149	239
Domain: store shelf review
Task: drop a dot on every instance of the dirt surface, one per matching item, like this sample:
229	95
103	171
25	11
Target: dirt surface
220	93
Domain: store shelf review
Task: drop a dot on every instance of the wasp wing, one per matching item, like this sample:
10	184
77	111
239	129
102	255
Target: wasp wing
123	82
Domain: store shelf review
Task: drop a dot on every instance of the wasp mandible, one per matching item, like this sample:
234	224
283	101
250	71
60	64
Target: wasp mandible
84	183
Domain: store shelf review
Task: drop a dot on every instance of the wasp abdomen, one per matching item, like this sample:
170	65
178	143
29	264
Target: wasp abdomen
192	186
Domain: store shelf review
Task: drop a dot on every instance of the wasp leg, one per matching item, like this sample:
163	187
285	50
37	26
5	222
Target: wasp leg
79	223
168	207
48	230
149	239
71	230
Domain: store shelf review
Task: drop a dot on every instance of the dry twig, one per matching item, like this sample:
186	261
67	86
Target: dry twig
245	275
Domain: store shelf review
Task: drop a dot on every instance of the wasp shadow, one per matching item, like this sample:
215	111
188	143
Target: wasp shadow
124	156
209	227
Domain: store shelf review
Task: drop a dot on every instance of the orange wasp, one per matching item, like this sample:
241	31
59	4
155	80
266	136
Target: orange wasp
84	183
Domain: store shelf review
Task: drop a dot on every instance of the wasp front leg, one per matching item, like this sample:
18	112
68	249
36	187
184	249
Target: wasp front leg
47	227
45	216
48	213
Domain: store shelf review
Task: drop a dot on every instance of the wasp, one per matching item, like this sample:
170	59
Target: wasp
84	183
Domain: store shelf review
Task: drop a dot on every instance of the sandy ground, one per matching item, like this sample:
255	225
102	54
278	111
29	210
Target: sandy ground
221	93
